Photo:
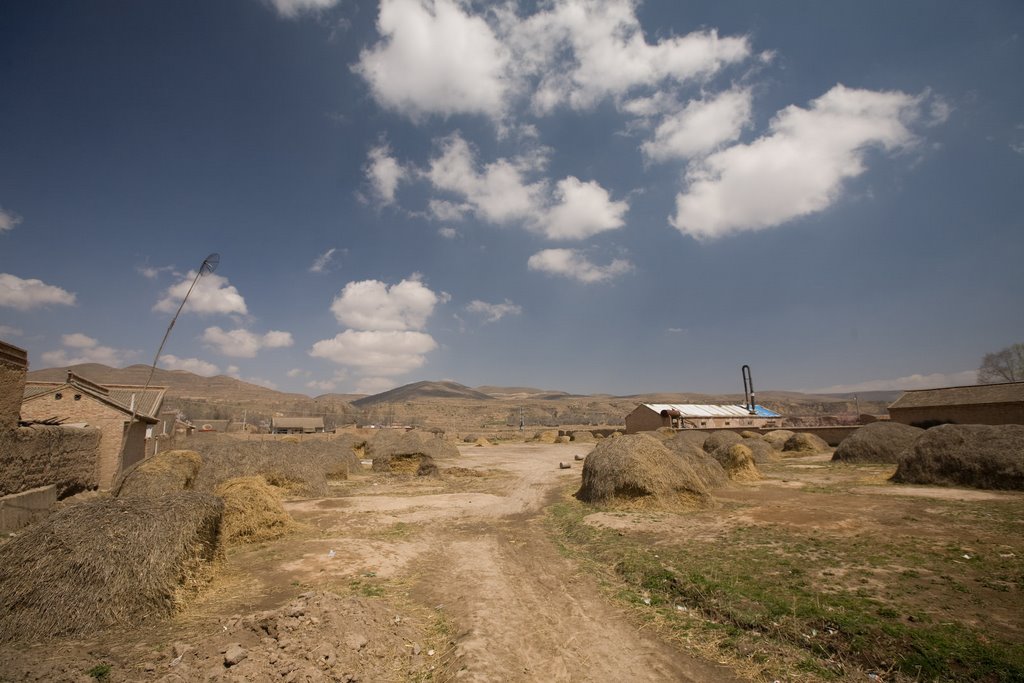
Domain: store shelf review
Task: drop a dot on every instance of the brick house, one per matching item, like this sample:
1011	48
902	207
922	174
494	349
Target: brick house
986	404
297	425
107	407
648	417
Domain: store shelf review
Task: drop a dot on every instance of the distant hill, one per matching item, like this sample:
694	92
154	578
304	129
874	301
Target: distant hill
887	396
179	383
422	390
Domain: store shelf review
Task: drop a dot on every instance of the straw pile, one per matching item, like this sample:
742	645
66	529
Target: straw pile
805	442
706	467
400	452
482	442
717	440
778	438
761	450
738	462
638	470
546	436
302	469
164	473
252	511
881	442
980	456
116	561
584	437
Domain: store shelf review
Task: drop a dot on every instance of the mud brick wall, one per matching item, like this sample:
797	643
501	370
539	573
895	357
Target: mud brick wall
978	414
13	366
31	457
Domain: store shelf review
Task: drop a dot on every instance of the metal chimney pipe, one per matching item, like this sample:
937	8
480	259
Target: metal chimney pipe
748	390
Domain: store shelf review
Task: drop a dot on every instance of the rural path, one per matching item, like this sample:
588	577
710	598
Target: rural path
523	610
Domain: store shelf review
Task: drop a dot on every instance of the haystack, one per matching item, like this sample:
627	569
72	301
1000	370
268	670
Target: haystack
778	438
762	450
164	473
302	469
482	442
747	434
805	442
979	456
252	511
584	437
546	436
878	442
738	462
717	440
563	439
706	467
693	437
116	561
639	470
392	442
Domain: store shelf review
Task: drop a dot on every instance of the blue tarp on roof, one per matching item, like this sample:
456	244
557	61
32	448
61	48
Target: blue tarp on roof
764	412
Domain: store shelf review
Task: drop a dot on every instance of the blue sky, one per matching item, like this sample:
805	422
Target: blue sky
588	195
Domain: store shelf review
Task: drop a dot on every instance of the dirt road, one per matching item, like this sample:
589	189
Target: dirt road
396	578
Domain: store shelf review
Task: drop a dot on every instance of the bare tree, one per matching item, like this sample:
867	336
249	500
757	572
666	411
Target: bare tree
1006	365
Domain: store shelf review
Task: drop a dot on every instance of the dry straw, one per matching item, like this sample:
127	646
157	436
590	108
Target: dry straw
117	561
164	473
638	470
252	512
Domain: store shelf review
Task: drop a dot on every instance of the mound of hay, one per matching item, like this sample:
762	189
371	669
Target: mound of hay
116	561
584	437
762	450
747	434
396	442
482	442
463	472
164	473
546	436
563	439
470	438
301	469
639	469
252	511
717	440
778	438
805	442
738	462
692	437
979	456
881	442
706	467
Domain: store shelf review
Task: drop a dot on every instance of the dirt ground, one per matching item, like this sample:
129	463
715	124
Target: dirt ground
458	578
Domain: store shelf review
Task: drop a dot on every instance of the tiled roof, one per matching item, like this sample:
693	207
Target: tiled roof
121	396
1011	392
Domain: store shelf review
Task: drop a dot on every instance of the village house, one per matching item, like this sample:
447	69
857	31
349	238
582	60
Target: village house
648	417
297	425
986	404
108	407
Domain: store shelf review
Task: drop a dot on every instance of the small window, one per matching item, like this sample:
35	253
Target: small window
78	397
58	396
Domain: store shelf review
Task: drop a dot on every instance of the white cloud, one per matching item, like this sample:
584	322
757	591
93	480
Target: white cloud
572	264
293	8
242	343
321	262
232	371
587	50
8	331
376	352
193	365
700	126
212	294
324	385
85	349
932	381
8	220
152	272
434	58
448	211
25	295
798	168
373	305
384	173
447	233
582	210
298	372
493	312
500	193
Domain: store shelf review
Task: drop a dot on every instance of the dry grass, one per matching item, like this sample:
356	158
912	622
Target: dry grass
164	473
117	561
